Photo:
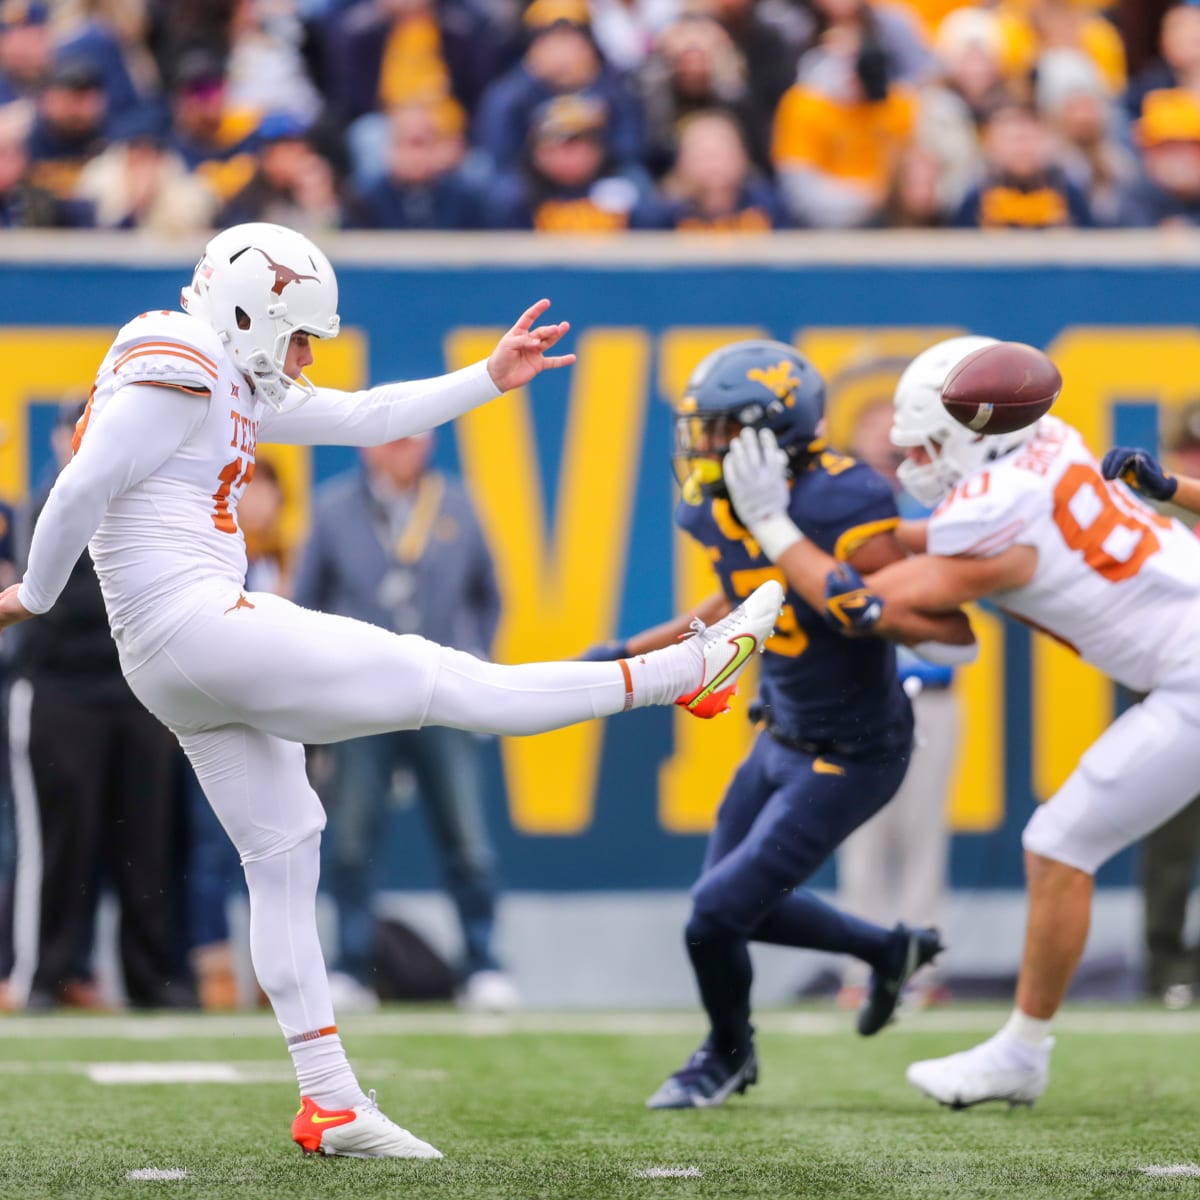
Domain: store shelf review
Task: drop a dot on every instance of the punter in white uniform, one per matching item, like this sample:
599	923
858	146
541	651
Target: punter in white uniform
162	455
1028	520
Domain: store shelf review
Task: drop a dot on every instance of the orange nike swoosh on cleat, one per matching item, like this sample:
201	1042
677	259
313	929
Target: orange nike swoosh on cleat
823	767
745	644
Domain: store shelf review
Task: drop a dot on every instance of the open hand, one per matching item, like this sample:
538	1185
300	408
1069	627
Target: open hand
755	471
11	609
521	353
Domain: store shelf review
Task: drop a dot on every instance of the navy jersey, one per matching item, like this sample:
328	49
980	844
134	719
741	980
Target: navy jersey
817	684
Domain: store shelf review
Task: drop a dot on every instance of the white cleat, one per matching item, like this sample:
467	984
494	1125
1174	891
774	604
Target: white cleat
359	1132
489	992
729	646
993	1070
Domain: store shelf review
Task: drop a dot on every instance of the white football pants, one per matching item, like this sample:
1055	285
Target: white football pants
249	679
1139	772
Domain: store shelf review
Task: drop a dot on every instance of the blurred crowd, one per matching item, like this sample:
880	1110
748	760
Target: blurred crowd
598	115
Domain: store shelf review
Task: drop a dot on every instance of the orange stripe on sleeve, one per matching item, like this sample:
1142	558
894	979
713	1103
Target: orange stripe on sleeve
143	347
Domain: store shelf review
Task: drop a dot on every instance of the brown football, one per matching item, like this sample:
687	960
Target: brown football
1001	388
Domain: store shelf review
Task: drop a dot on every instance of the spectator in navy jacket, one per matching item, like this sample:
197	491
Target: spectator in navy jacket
425	186
712	187
562	58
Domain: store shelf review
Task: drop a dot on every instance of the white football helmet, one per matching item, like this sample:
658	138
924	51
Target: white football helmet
920	419
256	285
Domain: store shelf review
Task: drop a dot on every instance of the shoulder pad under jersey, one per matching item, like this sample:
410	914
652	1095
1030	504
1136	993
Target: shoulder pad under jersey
167	348
987	513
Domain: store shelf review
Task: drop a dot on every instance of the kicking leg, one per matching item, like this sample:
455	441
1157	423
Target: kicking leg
311	677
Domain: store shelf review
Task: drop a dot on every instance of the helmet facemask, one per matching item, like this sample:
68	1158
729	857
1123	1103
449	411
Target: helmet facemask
257	285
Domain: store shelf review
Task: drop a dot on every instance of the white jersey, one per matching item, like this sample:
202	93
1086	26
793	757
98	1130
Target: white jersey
165	450
1115	580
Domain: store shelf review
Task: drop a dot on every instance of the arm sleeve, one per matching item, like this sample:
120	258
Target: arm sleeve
139	428
986	523
379	414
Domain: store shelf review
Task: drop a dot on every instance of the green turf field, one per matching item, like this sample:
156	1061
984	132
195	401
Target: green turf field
550	1106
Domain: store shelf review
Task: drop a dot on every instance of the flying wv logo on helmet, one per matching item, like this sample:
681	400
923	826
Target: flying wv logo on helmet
778	379
757	384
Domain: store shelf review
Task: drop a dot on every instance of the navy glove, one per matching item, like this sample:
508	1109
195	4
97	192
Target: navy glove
1140	470
605	652
850	606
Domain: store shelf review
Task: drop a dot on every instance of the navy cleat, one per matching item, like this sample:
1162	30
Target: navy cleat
707	1080
921	946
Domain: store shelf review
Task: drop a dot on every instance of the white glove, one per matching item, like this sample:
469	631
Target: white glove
755	474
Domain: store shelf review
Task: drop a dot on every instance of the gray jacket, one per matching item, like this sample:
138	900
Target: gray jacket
437	580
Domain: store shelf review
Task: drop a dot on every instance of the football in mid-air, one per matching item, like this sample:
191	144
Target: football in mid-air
1001	388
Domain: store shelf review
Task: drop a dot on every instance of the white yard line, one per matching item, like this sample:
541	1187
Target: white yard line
669	1173
803	1023
156	1174
1175	1169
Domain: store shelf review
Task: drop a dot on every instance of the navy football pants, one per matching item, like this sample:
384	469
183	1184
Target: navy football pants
784	814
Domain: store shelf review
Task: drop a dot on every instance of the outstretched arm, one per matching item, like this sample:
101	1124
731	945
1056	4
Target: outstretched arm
395	410
932	585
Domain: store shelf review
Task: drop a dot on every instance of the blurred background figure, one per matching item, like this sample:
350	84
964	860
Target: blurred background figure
1178	60
1169	137
140	183
398	544
1023	186
561	59
916	197
569	182
712	186
23	205
424	185
694	67
92	774
8	841
841	127
292	184
214	874
1171	854
26	49
895	867
1090	131
215	138
380	53
69	126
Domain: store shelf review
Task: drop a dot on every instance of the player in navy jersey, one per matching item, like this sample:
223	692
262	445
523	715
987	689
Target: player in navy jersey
836	725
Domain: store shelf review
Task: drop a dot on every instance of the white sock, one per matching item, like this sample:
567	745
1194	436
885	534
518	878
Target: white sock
662	676
290	966
323	1072
1029	1031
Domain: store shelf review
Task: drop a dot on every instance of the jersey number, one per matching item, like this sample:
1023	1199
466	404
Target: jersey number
233	474
788	639
1113	536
